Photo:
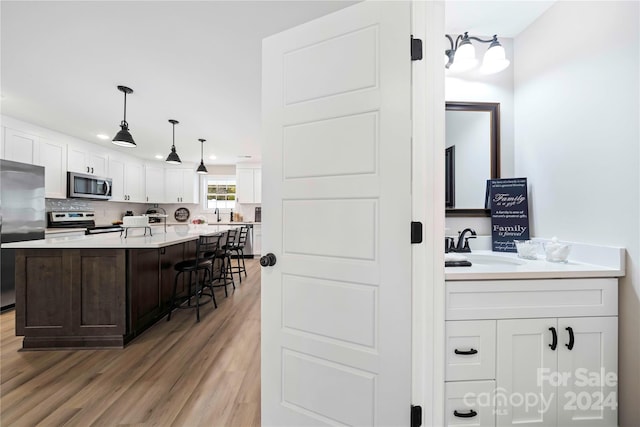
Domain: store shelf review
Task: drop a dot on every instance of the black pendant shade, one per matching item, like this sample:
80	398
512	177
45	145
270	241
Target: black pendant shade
202	169
173	157
123	138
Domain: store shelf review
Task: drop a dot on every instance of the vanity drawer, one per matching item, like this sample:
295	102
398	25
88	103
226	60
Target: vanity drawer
469	403
531	298
471	350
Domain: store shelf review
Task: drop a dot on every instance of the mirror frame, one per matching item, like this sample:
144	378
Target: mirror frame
493	108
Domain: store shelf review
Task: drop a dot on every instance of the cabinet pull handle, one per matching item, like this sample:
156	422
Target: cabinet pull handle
91	170
470	351
571	338
87	169
469	414
554	342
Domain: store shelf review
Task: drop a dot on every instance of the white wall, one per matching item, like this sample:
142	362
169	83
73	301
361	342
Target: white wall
577	136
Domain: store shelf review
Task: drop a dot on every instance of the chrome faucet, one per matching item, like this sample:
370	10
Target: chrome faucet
463	242
217	212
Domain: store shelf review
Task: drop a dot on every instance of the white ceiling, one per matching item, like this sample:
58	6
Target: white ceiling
197	62
506	18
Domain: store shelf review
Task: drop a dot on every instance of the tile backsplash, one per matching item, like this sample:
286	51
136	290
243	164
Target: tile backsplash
106	212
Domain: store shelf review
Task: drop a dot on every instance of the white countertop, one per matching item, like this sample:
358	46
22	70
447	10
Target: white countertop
63	230
584	261
135	239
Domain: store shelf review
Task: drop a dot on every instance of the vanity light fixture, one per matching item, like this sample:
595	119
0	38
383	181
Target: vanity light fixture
173	157
202	169
462	56
123	138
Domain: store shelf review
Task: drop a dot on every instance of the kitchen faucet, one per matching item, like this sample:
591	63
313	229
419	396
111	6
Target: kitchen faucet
217	212
463	242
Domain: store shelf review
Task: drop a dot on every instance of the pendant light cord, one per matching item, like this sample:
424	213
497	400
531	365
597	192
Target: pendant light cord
124	121
173	142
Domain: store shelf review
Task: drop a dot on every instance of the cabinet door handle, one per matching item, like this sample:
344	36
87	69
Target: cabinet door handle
87	169
554	337
469	414
91	170
470	351
571	338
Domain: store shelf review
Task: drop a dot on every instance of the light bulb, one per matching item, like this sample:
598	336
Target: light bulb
494	59
465	58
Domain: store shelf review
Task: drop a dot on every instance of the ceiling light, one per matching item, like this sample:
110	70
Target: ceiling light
102	136
462	57
123	138
173	157
159	156
212	157
202	169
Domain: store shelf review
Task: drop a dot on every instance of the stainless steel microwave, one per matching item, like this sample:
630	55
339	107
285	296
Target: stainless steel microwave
80	185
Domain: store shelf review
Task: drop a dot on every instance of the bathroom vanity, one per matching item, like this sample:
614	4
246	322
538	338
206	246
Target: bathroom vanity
533	343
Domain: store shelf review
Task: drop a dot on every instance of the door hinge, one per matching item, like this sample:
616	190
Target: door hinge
416	49
416	416
416	232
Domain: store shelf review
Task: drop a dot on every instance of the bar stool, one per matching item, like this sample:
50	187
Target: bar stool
225	272
206	247
238	248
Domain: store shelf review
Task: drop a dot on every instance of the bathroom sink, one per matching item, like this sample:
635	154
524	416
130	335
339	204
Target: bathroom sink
496	260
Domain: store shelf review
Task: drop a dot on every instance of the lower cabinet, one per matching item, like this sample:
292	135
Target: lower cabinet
70	297
563	370
73	298
532	371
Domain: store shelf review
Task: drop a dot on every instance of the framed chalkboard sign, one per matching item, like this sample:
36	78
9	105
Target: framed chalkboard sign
508	201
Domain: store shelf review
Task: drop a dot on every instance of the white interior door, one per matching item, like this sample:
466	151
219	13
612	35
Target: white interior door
336	307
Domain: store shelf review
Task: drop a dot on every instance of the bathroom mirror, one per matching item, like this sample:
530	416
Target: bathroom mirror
472	155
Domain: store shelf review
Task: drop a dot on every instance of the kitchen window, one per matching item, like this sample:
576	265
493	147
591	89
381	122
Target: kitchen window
220	192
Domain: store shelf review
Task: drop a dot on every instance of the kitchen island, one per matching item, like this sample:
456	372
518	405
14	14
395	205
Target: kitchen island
98	291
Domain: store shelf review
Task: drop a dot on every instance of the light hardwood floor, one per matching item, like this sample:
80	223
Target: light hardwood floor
178	373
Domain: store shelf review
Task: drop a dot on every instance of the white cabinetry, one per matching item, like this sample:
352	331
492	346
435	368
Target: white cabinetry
19	146
181	186
154	180
53	156
79	159
539	357
128	181
548	346
248	185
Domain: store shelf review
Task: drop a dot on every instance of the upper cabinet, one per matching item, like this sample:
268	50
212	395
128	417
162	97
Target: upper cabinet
24	147
80	159
154	178
128	180
19	146
181	186
53	156
248	184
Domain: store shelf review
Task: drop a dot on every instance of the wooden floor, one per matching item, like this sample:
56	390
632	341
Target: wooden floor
178	373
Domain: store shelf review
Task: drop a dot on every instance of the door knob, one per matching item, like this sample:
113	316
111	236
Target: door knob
269	260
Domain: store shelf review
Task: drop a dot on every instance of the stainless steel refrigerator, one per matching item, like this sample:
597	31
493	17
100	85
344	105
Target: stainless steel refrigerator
22	217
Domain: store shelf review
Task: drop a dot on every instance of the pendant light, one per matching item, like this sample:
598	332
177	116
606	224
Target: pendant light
202	169
123	138
173	157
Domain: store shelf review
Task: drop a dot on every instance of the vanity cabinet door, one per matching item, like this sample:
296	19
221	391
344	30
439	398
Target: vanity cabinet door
589	362
524	352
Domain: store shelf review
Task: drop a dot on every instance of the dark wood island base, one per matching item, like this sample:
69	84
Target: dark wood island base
93	298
